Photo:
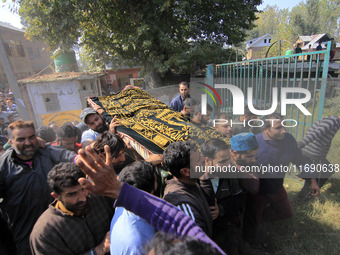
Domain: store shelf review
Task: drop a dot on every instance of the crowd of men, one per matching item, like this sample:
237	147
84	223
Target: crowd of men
76	189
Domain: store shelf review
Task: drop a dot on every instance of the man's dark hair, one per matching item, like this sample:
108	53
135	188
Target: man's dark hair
176	156
114	141
211	147
184	83
167	244
189	102
247	111
46	133
198	109
223	115
140	174
266	119
67	131
64	175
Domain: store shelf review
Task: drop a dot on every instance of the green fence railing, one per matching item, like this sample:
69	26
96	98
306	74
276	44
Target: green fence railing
306	70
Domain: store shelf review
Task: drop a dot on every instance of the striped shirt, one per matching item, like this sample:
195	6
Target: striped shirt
317	142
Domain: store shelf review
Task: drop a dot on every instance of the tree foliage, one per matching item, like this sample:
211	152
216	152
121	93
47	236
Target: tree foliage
307	18
155	34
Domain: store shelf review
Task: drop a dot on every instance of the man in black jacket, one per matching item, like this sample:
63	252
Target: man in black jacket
24	192
182	191
225	192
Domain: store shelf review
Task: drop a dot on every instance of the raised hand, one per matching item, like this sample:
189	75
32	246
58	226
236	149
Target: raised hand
103	177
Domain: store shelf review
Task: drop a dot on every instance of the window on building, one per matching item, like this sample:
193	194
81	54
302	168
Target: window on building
30	53
269	40
20	49
265	40
51	102
14	48
8	49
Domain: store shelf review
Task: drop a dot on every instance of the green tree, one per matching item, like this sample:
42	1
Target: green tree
154	34
306	17
273	21
330	17
267	22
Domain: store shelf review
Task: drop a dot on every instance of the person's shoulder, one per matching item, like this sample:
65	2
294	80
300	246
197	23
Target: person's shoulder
259	136
5	157
130	216
48	223
332	118
178	193
176	98
104	201
51	147
45	218
88	131
54	150
290	139
88	135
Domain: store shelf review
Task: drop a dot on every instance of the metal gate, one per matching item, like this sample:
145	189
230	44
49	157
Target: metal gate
305	70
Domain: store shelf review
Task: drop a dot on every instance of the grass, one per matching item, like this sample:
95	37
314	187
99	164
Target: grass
314	227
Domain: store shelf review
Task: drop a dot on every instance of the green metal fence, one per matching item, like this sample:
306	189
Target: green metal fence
305	70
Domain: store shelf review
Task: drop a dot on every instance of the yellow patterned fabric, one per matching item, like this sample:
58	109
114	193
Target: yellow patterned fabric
151	122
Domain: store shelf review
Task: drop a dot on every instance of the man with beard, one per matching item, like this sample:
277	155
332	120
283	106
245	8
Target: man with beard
225	195
76	222
24	193
96	125
67	137
177	103
198	118
243	150
223	124
188	104
277	150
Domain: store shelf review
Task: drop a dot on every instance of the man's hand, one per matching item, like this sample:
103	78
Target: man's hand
95	106
104	246
126	141
155	159
214	210
102	174
114	123
315	190
41	143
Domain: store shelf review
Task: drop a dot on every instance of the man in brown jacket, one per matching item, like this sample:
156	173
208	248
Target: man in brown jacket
76	222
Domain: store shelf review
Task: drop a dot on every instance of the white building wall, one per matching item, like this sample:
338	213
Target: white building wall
67	95
260	42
